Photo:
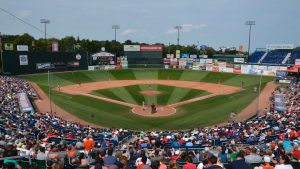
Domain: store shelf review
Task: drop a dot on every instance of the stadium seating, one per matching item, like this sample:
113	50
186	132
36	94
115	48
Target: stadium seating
275	57
294	55
256	56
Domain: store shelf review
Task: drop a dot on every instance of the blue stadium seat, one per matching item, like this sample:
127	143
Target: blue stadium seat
256	56
294	55
275	57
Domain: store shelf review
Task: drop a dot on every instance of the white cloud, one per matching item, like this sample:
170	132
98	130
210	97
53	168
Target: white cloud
186	28
128	32
24	14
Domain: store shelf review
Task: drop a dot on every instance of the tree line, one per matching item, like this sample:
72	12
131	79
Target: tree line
68	43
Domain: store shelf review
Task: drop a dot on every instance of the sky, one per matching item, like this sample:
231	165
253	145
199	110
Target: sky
213	23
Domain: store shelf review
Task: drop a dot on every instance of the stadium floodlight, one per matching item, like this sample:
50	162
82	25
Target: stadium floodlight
178	28
115	27
250	24
45	21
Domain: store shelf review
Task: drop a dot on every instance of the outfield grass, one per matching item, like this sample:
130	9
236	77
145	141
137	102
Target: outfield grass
131	94
197	114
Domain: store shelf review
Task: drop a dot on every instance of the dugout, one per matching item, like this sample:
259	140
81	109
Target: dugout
150	56
23	62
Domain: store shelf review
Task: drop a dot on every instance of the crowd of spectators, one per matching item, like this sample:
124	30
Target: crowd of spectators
268	141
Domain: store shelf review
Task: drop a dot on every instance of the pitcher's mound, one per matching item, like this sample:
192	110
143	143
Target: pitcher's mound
150	92
161	111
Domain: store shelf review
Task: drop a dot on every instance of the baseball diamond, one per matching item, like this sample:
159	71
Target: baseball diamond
122	105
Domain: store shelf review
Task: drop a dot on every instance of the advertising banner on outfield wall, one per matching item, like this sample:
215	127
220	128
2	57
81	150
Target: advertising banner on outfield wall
173	62
237	66
182	63
151	48
228	70
189	62
262	67
167	60
253	71
193	56
202	61
184	55
170	56
208	60
245	69
297	62
131	48
215	68
23	60
209	67
237	70
203	56
177	53
238	60
196	63
8	46
54	46
222	64
196	68
40	66
22	48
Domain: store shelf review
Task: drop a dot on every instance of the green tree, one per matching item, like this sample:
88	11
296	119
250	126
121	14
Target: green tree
67	44
24	39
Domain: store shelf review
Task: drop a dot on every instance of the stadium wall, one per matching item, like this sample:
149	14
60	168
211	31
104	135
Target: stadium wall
15	63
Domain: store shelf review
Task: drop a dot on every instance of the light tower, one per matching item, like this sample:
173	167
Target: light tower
45	21
250	24
115	27
178	28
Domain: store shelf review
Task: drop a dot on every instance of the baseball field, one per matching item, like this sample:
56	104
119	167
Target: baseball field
184	98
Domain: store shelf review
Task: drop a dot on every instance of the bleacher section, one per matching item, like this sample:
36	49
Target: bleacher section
295	55
255	57
275	57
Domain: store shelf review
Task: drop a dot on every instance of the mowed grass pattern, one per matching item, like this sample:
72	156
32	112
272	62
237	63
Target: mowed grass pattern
164	98
197	114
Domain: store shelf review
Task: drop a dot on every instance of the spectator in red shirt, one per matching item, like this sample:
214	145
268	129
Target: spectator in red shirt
296	152
189	164
70	136
176	155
